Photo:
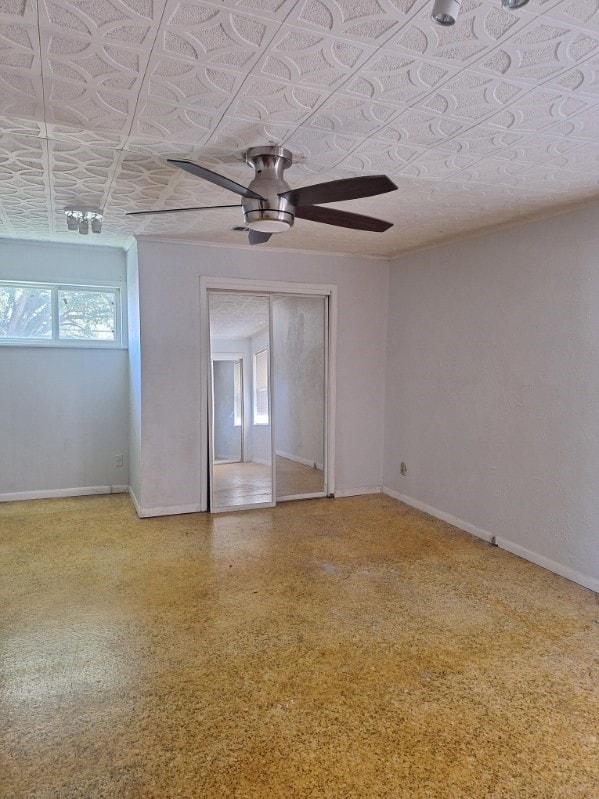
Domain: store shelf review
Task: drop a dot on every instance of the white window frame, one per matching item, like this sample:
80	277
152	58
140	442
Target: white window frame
260	418
55	341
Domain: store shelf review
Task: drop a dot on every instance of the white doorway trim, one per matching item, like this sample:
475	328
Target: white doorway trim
270	287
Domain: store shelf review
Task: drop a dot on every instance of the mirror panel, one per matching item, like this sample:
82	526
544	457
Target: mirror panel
240	334
299	333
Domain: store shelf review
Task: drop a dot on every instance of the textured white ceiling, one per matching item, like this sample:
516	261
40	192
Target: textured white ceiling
481	124
234	315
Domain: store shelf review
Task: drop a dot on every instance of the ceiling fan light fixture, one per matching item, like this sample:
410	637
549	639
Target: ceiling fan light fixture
268	220
271	206
269	225
445	12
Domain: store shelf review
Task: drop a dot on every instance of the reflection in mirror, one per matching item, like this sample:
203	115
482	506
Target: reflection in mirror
241	467
299	349
226	393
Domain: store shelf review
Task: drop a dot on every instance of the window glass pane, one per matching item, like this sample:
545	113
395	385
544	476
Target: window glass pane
25	312
261	387
86	315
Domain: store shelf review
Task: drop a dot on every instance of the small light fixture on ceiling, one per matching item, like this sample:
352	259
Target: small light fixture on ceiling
445	12
72	221
81	218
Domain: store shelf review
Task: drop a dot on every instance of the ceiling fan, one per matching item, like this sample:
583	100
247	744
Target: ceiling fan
271	206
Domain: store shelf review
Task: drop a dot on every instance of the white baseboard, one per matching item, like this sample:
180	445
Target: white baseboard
503	543
135	502
438	514
260	461
164	510
297	459
54	493
551	565
357	492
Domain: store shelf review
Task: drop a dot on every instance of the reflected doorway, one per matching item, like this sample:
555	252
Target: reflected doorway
227	401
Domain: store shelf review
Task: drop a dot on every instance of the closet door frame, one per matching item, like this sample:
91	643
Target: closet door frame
270	287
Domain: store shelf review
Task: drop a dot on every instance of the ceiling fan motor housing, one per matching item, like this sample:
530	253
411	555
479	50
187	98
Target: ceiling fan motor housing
274	214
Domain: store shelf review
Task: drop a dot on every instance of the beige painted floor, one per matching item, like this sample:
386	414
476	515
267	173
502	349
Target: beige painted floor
251	483
331	648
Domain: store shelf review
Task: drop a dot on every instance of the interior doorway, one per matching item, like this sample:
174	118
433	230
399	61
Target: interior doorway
227	401
269	396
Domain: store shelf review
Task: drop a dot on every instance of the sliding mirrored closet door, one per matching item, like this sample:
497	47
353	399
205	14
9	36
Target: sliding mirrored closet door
268	398
241	466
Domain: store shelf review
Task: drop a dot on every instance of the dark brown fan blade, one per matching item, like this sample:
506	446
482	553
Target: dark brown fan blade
257	237
331	216
338	190
214	177
176	210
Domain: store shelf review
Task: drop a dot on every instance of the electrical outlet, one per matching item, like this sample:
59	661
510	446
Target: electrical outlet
403	468
118	460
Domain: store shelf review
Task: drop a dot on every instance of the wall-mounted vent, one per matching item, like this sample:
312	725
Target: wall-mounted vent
239	228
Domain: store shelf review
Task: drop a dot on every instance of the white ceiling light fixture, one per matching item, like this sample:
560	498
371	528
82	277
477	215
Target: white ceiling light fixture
445	12
72	221
81	218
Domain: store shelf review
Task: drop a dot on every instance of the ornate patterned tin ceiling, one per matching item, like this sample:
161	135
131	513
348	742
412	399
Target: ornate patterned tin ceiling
482	124
234	315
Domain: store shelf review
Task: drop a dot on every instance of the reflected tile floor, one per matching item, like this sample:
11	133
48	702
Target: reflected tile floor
250	483
241	484
330	648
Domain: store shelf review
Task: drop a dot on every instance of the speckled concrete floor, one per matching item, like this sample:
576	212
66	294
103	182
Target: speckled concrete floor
333	648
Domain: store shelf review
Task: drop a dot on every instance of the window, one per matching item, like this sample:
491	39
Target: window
58	314
261	387
237	397
25	312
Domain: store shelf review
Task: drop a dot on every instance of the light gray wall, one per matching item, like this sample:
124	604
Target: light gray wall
63	411
299	379
170	334
492	395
